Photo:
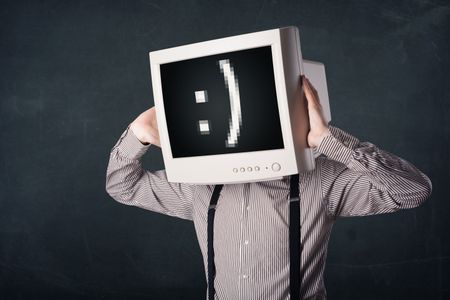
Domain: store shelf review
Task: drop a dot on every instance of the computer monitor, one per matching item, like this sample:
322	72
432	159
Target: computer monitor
231	110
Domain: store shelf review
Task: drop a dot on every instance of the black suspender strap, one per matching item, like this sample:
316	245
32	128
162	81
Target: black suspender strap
211	265
294	238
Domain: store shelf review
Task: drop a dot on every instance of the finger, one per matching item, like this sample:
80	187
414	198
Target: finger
154	133
305	85
313	91
308	90
156	141
308	85
153	139
313	104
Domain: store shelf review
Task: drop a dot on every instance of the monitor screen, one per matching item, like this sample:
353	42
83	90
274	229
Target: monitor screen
224	103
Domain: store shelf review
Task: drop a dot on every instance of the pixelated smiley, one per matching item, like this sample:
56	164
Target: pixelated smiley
235	119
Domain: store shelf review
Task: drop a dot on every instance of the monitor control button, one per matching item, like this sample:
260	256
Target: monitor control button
235	170
242	169
249	169
256	168
276	167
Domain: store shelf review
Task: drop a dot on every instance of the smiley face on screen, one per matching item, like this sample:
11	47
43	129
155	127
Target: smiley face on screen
224	103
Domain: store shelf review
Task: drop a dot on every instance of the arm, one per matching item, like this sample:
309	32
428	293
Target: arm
129	184
357	177
360	179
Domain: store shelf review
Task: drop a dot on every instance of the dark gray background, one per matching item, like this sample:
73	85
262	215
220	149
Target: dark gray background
74	74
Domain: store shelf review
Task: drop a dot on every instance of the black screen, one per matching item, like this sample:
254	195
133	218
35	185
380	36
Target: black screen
223	103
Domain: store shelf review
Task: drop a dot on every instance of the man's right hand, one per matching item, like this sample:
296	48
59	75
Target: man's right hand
145	127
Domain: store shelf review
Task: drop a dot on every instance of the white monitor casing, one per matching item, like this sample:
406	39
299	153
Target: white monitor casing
261	165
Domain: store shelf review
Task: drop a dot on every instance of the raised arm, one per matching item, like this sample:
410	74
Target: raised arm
360	179
128	183
357	177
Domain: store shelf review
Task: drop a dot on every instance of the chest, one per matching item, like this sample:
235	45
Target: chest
259	210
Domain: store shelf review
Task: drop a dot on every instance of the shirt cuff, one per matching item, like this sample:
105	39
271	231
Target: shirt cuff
338	145
130	146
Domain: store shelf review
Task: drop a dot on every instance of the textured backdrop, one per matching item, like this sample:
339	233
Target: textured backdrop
74	74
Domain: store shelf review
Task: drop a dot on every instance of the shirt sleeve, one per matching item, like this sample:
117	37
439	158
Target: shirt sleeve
128	183
360	179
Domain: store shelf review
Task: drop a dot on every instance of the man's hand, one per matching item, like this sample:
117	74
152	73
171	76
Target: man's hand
317	123
145	127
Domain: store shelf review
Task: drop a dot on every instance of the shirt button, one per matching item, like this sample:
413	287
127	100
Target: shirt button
245	276
248	207
246	242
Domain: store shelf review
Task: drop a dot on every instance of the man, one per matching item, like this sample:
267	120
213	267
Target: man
351	178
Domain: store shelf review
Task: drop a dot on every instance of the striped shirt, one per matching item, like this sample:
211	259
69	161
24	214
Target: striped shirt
251	235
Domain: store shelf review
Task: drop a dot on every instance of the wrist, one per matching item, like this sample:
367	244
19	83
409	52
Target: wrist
325	133
321	136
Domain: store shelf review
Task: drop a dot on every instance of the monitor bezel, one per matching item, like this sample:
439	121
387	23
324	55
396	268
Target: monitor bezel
180	169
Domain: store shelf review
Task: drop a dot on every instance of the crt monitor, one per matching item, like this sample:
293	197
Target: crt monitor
230	110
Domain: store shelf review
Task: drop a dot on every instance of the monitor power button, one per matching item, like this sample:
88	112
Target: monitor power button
276	167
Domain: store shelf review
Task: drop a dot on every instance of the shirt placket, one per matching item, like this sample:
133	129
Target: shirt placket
244	242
